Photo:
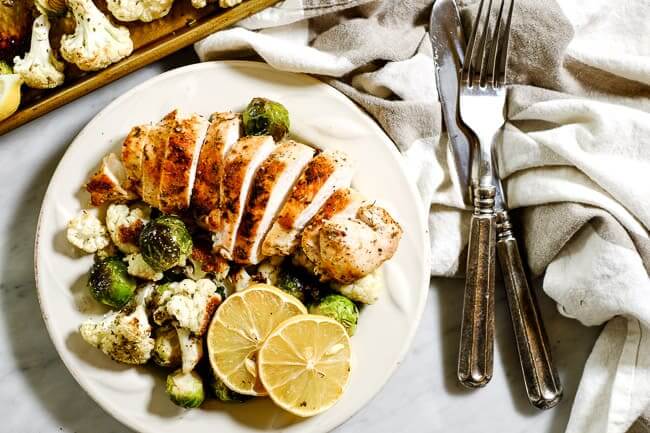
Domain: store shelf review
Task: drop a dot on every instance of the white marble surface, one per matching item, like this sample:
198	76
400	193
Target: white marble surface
37	394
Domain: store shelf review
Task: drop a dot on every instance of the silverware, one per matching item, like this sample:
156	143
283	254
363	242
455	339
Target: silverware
540	375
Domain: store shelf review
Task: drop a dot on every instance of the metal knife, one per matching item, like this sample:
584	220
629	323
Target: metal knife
539	372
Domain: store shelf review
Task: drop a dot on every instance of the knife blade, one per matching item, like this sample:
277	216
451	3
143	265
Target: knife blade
448	47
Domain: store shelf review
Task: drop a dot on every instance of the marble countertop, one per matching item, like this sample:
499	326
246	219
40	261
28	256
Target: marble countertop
37	394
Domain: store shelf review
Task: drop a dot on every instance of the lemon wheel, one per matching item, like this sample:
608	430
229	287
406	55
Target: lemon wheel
238	329
304	364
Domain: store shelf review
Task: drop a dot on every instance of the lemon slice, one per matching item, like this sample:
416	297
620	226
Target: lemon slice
238	329
304	364
9	94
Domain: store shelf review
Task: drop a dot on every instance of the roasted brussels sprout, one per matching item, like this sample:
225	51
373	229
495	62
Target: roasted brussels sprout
225	394
339	308
110	282
166	349
185	389
5	68
265	117
300	284
165	243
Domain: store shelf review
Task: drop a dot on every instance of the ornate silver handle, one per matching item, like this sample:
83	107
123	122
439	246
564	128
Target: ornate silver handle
477	329
540	374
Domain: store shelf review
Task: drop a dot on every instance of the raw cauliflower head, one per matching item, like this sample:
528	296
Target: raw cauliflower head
96	42
87	233
40	68
143	10
125	336
190	304
365	290
124	224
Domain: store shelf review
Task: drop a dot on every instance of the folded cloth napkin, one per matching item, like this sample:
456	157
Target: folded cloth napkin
575	154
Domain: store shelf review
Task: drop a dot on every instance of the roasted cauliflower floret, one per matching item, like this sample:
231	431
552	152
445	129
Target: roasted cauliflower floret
124	224
191	349
143	10
96	42
365	290
40	68
189	304
87	233
139	268
125	336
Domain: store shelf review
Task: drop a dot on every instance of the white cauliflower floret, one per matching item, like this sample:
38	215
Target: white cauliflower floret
87	233
143	10
365	290
125	336
95	43
125	224
40	68
191	349
188	303
141	269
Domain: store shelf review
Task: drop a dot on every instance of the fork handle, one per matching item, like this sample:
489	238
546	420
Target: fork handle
540	374
477	328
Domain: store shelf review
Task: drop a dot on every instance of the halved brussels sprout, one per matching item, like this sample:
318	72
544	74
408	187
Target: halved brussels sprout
110	283
167	348
165	243
185	389
225	394
339	308
265	117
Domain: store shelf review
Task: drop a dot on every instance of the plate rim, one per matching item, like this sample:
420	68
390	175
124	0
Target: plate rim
137	425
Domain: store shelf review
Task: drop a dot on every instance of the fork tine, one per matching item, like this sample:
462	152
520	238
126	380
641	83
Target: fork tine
485	34
466	74
500	69
495	47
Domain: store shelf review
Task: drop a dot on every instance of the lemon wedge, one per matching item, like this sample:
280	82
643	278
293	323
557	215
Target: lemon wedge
238	329
304	365
9	94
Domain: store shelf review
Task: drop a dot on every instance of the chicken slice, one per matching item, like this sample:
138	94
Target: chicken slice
133	155
107	185
272	184
350	243
224	131
153	157
178	169
326	173
240	166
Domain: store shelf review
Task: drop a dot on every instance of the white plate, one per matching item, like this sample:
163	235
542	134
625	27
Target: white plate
319	115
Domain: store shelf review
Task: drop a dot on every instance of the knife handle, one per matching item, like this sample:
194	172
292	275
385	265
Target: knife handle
477	328
540	374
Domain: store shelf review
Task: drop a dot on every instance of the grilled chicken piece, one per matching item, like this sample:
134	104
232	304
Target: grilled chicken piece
351	242
224	131
271	186
133	155
153	157
178	169
107	184
326	173
240	166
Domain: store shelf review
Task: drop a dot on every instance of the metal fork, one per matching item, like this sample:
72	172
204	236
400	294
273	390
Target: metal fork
481	104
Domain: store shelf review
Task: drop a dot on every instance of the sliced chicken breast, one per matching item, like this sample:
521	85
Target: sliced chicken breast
178	169
133	155
344	202
271	186
240	166
107	184
349	238
326	173
153	157
223	133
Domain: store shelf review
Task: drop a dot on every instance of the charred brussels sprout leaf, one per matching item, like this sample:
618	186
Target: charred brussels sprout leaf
265	117
110	282
339	308
165	243
185	389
